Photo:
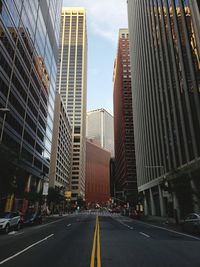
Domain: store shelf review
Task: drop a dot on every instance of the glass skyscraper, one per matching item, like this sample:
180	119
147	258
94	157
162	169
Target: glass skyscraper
72	85
29	39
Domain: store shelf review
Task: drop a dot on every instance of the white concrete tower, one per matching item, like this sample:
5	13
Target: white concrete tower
72	85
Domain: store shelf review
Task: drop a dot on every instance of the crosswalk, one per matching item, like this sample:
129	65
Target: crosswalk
100	213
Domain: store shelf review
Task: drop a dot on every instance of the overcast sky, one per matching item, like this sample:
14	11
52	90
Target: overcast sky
104	19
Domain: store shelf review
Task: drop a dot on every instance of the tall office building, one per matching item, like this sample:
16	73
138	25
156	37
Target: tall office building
99	127
60	165
29	39
165	60
72	85
125	165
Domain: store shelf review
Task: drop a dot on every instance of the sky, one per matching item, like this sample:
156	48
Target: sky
104	19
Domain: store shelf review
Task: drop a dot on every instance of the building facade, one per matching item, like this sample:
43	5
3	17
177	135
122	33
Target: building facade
29	36
97	181
125	164
60	166
72	86
112	177
99	127
166	103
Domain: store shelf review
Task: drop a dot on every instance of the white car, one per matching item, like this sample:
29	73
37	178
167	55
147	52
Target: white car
192	223
9	220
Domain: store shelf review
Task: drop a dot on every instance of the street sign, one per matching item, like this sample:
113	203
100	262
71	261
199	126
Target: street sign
9	203
45	188
68	194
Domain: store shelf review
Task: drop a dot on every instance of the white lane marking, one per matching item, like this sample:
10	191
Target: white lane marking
12	233
144	234
27	248
20	233
168	230
46	224
69	225
126	225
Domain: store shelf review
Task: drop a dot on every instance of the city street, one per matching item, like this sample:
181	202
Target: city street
69	241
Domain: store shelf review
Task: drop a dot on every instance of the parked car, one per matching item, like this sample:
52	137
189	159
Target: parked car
115	210
191	223
9	220
32	218
134	214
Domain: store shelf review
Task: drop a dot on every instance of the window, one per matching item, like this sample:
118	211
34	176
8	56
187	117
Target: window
76	139
76	129
74	182
74	187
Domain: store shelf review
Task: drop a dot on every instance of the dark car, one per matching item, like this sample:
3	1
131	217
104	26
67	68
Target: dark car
191	223
134	214
115	210
33	218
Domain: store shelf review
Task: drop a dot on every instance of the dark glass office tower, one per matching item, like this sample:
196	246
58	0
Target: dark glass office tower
29	35
164	50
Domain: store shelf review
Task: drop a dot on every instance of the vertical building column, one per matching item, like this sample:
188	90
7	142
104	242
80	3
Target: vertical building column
161	199
39	186
27	189
145	204
38	191
176	208
195	199
153	210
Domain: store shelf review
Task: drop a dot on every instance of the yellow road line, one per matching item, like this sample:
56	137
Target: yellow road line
92	261
98	246
96	255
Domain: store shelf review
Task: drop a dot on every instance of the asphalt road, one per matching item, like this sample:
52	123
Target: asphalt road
121	242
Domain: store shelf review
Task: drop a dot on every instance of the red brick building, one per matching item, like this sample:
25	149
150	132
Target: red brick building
97	183
125	163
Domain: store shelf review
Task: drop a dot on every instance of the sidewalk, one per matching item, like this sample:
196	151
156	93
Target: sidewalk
162	222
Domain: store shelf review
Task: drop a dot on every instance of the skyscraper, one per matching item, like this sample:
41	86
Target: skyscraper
72	85
165	67
29	34
99	127
60	165
125	165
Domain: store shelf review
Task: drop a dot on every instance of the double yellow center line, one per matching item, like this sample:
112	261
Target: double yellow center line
96	250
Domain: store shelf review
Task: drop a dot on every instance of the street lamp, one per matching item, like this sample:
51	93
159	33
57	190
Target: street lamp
119	200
